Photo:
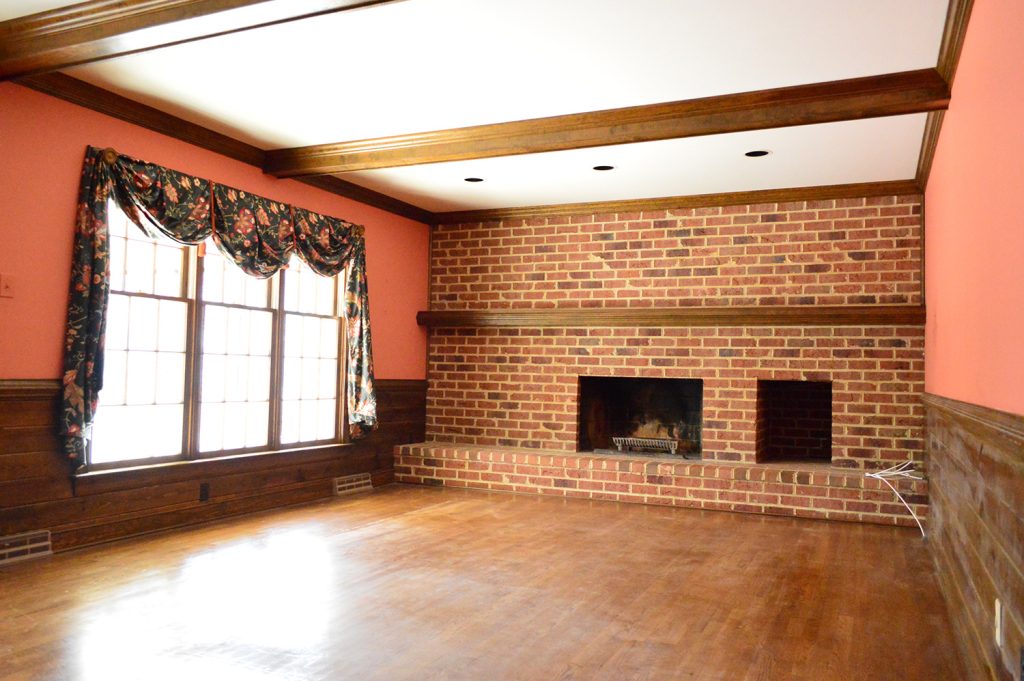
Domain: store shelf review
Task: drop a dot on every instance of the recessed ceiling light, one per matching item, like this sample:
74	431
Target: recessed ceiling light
756	153
474	179
604	167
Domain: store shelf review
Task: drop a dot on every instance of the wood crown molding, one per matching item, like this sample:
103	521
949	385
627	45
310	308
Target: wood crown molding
929	142
103	29
349	190
1001	422
111	104
822	192
766	315
953	33
852	99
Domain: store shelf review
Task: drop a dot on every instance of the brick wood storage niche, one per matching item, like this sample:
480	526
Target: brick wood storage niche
502	406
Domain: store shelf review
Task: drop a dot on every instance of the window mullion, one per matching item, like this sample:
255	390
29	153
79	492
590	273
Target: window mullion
193	357
276	358
339	310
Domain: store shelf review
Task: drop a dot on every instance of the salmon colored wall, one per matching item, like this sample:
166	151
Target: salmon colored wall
975	223
42	144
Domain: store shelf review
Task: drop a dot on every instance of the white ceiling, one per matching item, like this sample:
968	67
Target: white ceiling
871	150
420	65
9	9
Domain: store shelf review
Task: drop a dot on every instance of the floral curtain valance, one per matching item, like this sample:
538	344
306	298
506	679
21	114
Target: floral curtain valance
323	242
157	199
254	232
257	234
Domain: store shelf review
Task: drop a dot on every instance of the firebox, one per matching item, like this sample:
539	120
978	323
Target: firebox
794	421
651	416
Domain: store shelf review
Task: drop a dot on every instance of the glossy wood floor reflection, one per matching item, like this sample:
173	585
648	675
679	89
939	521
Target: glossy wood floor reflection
425	584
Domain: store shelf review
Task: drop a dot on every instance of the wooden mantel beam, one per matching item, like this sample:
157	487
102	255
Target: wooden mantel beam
885	95
103	29
765	315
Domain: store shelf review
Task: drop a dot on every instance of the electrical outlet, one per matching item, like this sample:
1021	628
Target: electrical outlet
999	624
204	491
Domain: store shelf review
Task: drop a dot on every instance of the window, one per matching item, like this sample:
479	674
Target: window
203	360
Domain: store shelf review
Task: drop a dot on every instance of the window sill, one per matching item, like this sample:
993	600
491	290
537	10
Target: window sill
113	479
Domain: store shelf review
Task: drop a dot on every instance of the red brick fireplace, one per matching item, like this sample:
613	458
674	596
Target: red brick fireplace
763	304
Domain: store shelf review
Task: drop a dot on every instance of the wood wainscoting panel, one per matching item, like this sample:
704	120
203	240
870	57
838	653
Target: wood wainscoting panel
38	490
32	469
976	473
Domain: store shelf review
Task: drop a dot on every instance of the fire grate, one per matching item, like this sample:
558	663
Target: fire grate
646	444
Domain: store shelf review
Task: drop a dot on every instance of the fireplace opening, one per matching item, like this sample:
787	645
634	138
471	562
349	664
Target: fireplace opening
794	421
648	416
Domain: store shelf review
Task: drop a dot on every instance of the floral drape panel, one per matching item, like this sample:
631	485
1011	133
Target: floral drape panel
257	234
156	199
329	245
83	340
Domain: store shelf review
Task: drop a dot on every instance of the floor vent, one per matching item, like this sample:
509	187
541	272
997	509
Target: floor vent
352	484
21	546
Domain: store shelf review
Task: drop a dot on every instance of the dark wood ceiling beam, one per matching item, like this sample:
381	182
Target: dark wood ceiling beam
111	104
102	29
857	98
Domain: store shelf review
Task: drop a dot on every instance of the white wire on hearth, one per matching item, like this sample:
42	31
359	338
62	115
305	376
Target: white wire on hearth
900	470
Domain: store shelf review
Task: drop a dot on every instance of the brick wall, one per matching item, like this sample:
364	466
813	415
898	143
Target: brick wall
829	252
517	387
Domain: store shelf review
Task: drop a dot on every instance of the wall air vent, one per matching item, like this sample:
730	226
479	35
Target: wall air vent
352	484
17	547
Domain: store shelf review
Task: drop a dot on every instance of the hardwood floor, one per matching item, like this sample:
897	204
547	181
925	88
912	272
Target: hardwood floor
426	584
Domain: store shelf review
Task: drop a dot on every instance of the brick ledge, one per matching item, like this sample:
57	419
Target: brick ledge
799	490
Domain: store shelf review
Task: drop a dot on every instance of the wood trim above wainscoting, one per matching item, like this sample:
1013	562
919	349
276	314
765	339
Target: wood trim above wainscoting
1003	423
841	100
788	195
401	384
104	29
810	315
114	105
29	388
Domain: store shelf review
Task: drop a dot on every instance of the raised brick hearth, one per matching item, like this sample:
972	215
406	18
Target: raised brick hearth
805	491
500	391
